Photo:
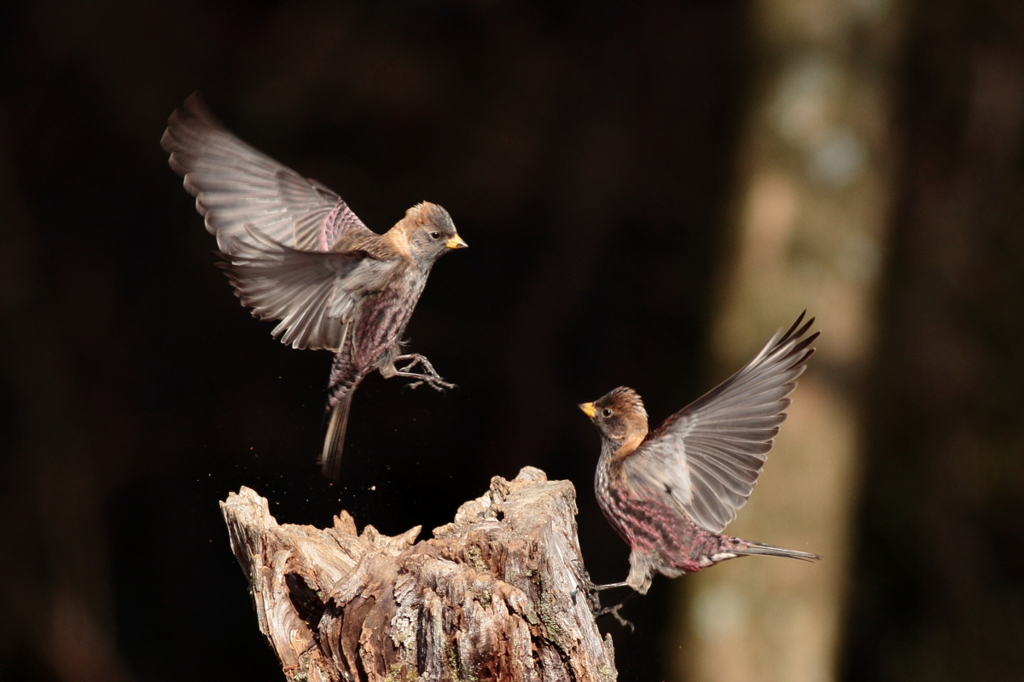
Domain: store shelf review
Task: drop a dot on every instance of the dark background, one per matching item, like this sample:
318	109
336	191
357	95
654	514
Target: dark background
585	151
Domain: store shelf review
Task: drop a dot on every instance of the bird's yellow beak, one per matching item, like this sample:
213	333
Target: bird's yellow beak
456	243
588	409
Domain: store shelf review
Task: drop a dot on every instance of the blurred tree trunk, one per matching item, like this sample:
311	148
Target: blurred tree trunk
810	218
939	576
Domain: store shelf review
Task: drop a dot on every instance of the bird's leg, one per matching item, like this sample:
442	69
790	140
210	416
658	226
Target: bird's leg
594	599
430	377
610	586
584	577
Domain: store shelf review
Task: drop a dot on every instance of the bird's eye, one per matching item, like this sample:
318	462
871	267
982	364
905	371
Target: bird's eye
606	412
435	235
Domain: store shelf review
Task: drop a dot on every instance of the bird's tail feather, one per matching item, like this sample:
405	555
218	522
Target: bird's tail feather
334	441
758	549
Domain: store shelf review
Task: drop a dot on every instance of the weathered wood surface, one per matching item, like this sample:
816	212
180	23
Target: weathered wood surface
490	597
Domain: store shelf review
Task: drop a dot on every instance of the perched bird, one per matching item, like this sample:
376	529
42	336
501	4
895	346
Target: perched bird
671	491
296	252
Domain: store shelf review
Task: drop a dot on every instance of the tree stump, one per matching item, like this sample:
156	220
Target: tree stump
493	596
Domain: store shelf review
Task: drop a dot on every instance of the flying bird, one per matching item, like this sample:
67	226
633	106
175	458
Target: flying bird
295	252
670	492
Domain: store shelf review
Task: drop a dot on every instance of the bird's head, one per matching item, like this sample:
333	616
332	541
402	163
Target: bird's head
430	232
619	415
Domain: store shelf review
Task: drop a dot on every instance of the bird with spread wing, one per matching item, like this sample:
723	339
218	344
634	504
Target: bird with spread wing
295	252
670	492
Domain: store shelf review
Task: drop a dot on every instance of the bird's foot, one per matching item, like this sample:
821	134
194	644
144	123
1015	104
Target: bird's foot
428	376
614	611
584	577
416	359
593	599
592	590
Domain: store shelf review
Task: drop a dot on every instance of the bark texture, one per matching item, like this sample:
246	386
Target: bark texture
490	597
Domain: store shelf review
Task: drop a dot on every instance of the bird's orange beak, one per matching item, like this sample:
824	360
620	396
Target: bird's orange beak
456	242
588	409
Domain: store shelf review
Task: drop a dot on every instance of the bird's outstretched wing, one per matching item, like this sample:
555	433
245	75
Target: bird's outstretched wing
314	294
236	185
708	455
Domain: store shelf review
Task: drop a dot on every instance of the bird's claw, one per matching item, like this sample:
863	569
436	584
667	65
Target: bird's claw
429	376
614	611
436	383
593	593
416	359
587	586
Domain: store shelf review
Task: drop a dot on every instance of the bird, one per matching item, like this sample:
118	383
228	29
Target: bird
670	492
295	252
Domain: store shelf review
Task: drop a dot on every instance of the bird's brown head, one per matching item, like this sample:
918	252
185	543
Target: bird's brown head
619	416
429	232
